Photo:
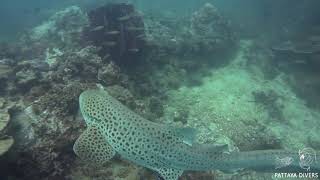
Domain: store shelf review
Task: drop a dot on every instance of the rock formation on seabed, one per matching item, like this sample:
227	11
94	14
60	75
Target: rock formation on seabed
210	30
206	31
118	30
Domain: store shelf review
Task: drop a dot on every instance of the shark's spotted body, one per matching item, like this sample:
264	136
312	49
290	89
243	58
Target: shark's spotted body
113	128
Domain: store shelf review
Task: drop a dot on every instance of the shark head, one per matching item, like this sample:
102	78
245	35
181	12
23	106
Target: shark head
93	104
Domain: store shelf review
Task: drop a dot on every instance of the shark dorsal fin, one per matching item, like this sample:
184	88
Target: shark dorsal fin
92	146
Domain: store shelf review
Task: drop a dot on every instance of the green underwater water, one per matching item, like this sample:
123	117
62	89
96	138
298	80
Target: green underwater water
242	73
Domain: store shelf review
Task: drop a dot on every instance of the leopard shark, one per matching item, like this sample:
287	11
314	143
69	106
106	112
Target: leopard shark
112	128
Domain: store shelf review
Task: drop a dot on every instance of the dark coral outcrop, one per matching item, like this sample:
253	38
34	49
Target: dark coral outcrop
119	30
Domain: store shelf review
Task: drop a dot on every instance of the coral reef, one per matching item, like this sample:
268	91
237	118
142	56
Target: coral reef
49	82
45	73
20	76
61	100
77	64
27	62
44	133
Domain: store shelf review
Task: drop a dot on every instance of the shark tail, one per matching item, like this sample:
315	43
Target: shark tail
275	161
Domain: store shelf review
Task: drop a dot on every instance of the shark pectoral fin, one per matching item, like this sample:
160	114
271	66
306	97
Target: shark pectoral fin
92	146
168	173
188	135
